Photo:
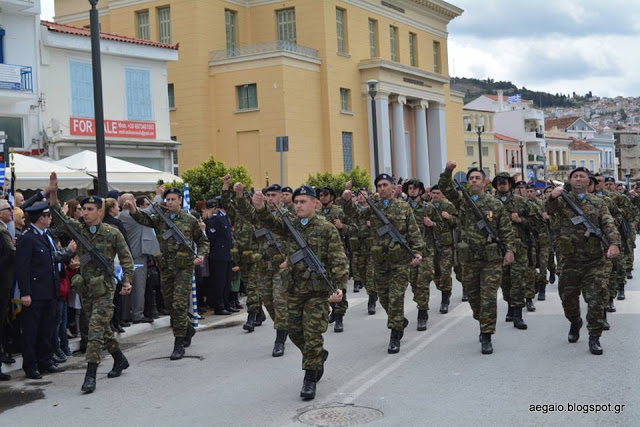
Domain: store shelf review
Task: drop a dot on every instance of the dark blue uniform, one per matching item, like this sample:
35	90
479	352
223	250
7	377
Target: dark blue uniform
220	242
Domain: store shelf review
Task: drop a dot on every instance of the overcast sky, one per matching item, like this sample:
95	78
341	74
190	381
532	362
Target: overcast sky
551	45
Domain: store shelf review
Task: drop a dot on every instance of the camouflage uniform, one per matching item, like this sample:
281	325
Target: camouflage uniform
176	263
421	275
540	249
581	261
307	294
443	232
95	287
481	261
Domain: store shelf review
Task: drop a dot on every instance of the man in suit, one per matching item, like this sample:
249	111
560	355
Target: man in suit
36	276
7	260
218	230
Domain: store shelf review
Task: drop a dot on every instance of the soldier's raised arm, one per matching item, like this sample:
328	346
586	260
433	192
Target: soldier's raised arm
446	184
55	205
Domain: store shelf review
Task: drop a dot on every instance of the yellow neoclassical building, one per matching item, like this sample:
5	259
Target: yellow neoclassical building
253	70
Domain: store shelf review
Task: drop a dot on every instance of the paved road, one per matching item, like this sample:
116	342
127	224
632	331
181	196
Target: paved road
439	377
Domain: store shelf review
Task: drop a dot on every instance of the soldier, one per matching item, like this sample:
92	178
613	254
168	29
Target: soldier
541	247
346	228
420	276
307	293
287	200
582	255
177	262
93	284
390	259
551	260
481	257
518	274
627	216
445	221
364	264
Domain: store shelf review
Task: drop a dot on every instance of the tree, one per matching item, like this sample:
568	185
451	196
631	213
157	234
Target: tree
359	179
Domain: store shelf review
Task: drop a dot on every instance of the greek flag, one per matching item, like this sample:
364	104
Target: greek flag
3	168
186	198
514	98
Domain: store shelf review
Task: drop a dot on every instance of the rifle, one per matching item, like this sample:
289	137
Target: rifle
91	252
482	223
436	253
173	230
625	230
552	272
389	228
270	237
581	218
305	253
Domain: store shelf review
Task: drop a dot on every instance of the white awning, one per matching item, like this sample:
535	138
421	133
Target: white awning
33	173
121	175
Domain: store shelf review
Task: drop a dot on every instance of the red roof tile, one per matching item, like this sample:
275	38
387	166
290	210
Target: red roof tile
68	29
578	145
505	98
562	123
502	137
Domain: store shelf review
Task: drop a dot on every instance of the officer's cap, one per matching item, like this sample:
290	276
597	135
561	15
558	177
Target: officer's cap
579	169
173	190
435	187
382	177
114	194
211	203
609	179
95	200
305	190
475	170
502	176
273	187
531	186
520	184
287	190
37	210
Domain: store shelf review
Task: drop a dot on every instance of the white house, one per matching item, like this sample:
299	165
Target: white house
135	96
20	101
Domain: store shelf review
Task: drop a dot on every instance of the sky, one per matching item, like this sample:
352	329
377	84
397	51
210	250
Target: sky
557	46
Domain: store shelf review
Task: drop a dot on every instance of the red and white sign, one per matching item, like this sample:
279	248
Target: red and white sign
113	128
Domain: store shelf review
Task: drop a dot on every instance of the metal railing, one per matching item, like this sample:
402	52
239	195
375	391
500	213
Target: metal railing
260	48
22	83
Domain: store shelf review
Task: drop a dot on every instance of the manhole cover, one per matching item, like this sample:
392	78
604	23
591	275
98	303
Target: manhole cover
340	416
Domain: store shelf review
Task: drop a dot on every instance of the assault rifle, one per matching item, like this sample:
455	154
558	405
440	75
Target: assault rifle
305	253
270	237
173	230
581	218
627	234
389	228
482	223
436	252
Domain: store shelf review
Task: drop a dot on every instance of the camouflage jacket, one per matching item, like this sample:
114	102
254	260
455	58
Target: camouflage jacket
243	228
571	239
186	223
107	240
269	251
525	210
423	210
349	227
493	210
323	239
444	228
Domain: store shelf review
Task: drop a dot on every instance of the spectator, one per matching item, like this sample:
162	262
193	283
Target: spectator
19	221
7	260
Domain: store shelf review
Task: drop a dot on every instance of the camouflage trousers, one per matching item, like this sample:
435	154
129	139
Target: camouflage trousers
363	270
514	280
583	276
391	282
532	276
628	262
609	280
274	296
251	286
307	321
617	276
444	281
99	312
481	280
175	284
420	277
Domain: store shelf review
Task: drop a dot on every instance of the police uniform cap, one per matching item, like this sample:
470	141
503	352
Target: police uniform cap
305	190
531	186
476	170
211	203
114	194
609	179
287	190
273	187
383	176
579	169
173	190
95	200
435	187
37	210
503	176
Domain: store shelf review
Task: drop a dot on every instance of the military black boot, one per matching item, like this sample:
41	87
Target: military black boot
464	295
394	342
574	331
487	347
444	305
120	363
621	292
357	285
178	349
517	318
423	316
542	293
371	306
605	325
509	317
89	384
629	275
552	277
529	304
278	347
250	326
191	331
611	308
594	345
260	317
338	327
308	391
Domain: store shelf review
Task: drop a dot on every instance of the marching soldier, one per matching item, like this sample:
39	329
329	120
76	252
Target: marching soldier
541	247
177	262
480	251
94	285
627	216
583	254
390	258
364	265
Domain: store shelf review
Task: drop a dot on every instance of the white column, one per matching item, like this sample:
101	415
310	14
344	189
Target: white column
399	148
382	122
437	139
422	150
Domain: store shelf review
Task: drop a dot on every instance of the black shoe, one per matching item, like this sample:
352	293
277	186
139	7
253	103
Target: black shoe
605	325
509	316
178	349
487	347
371	305
89	385
621	293
143	320
611	308
260	317
308	391
232	310
423	316
5	358
574	331
542	293
278	346
33	375
444	305
338	327
465	297
325	356
394	342
529	304
594	345
250	325
124	323
517	319
191	331
120	363
5	377
51	369
222	312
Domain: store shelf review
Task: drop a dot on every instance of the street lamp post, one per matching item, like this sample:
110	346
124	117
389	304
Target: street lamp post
374	124
479	129
522	159
97	98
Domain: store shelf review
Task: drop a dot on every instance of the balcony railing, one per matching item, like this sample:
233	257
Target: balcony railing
16	77
261	48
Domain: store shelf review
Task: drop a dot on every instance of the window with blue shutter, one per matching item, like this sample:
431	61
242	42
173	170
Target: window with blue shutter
81	89
138	84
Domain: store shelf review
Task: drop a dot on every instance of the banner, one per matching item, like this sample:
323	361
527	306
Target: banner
113	128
